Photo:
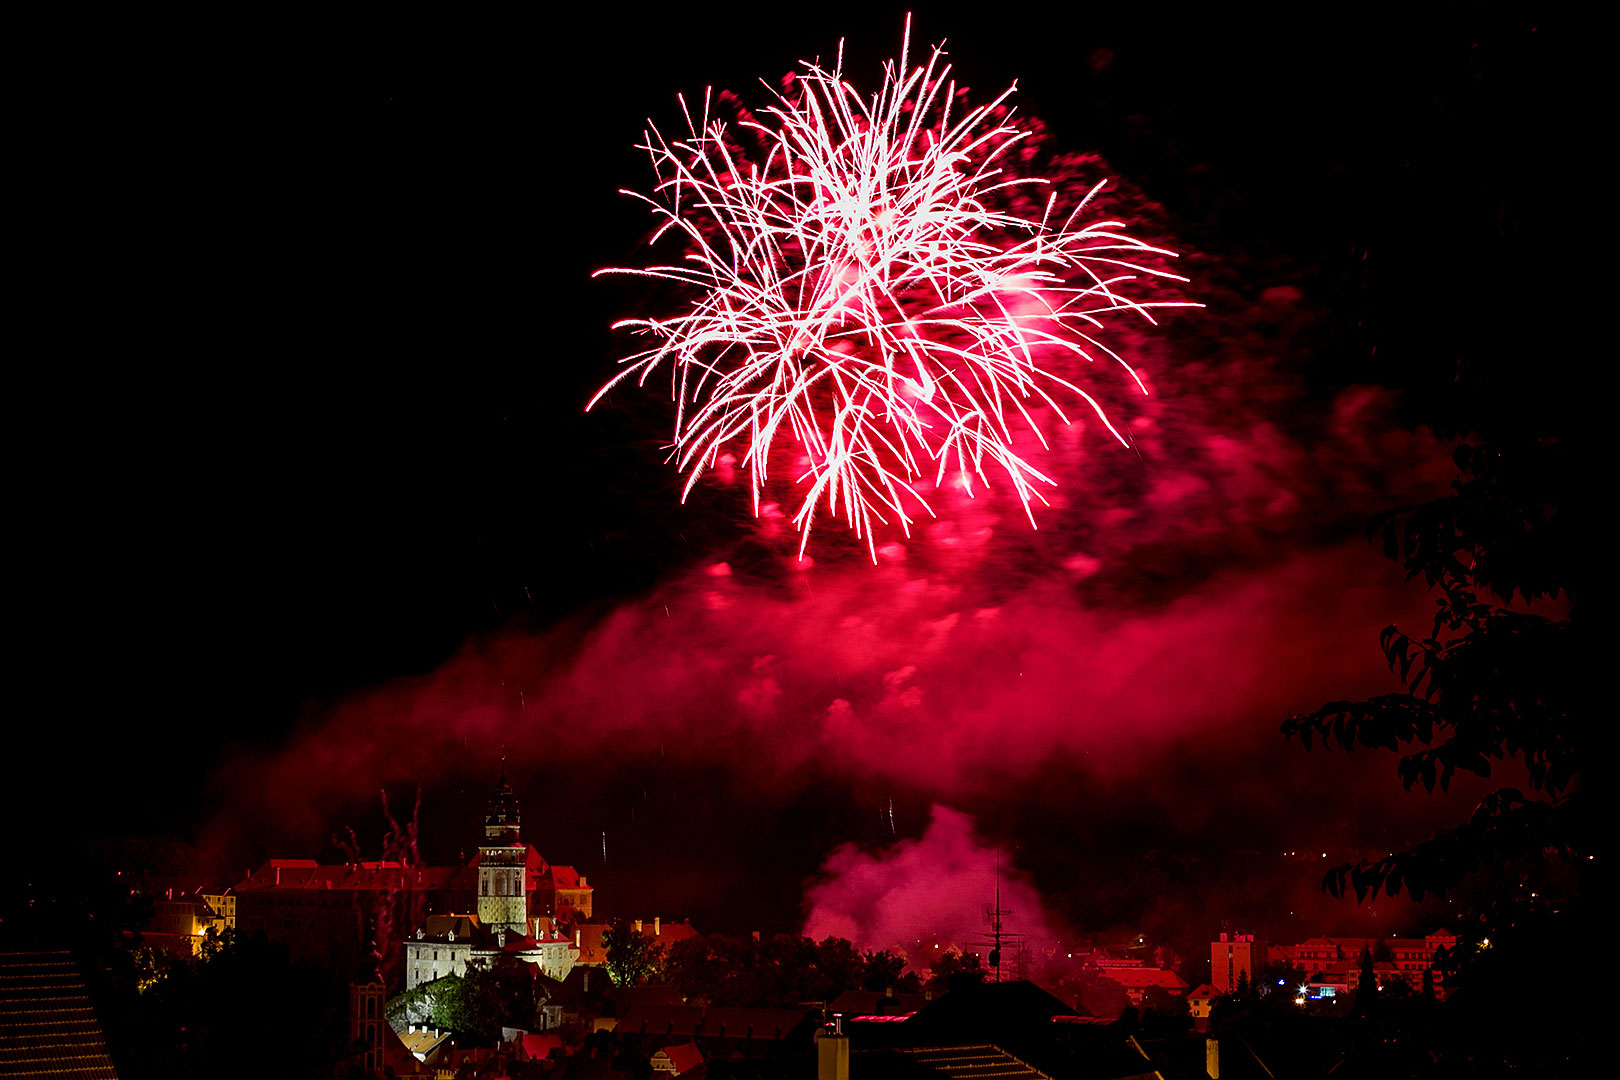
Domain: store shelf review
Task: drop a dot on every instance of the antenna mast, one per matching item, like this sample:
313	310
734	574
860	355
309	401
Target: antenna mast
998	936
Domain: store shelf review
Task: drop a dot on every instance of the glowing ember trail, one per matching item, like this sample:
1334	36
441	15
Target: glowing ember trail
863	286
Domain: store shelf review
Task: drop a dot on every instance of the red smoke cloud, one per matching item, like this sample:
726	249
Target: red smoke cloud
919	893
1174	598
873	675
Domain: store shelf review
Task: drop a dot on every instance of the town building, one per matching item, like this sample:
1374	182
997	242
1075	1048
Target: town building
593	953
1332	965
1139	979
677	1060
182	917
367	1027
1200	1000
1235	956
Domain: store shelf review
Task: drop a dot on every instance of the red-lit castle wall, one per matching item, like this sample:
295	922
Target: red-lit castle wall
335	915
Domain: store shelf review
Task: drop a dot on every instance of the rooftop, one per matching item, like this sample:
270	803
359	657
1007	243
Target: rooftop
49	1026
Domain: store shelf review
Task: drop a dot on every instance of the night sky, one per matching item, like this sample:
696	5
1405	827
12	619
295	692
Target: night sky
312	508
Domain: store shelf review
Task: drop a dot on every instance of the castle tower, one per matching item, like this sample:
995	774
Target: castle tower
502	859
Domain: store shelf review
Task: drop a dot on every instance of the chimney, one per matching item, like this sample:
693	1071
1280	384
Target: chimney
832	1051
657	929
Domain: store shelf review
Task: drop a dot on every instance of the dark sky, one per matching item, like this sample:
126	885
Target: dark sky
307	480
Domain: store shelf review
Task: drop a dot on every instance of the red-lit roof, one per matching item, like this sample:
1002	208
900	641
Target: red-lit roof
735	1022
864	1002
287	875
666	1020
1139	978
668	934
539	1045
566	877
591	950
651	994
684	1057
439	927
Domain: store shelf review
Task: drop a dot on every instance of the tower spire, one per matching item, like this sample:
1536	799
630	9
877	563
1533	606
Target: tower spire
501	818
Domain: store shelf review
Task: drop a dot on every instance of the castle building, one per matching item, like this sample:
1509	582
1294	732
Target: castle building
512	901
330	915
516	911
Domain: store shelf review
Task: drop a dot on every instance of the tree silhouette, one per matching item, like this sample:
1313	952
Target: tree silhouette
631	956
1492	681
1488	682
953	969
1366	986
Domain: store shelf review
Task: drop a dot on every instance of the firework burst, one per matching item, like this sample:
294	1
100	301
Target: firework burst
863	284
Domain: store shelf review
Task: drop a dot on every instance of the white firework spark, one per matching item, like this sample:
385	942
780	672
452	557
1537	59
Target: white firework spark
856	288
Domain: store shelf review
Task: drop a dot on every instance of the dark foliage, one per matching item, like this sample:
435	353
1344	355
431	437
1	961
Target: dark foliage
1491	681
1366	987
243	1009
954	970
782	970
1487	682
631	955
